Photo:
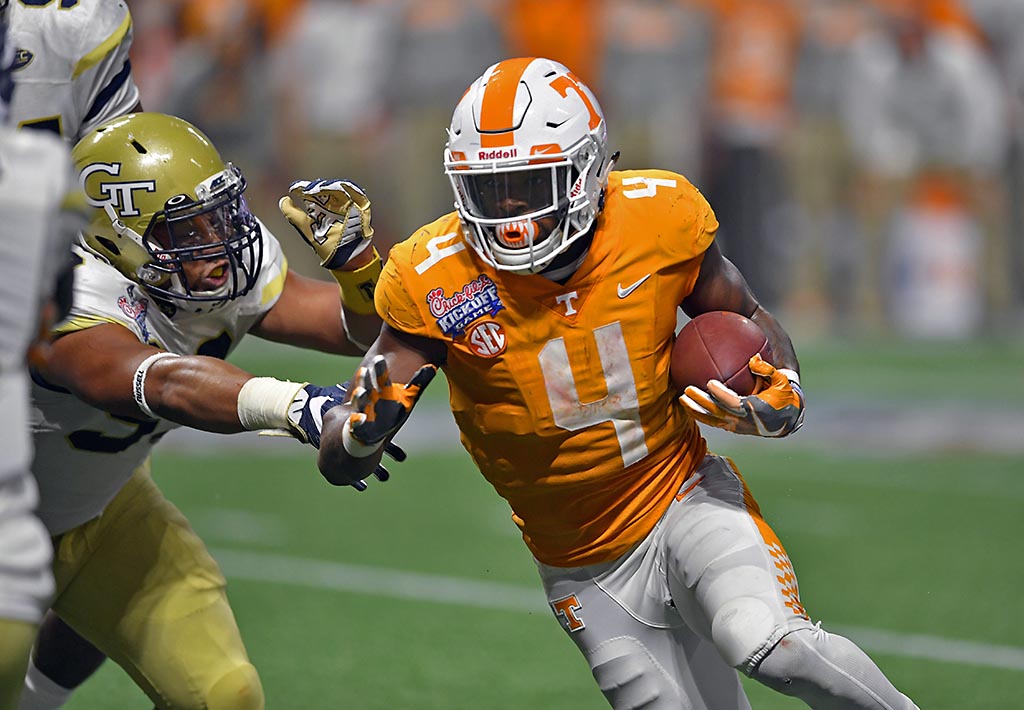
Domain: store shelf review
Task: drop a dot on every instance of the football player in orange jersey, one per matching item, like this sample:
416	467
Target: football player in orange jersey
549	297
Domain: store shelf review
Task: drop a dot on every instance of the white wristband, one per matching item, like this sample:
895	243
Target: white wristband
139	382
791	375
353	446
263	403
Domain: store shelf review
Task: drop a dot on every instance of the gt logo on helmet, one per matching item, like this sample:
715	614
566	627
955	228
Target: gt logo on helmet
116	194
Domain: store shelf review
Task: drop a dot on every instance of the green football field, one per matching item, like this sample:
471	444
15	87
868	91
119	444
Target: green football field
899	503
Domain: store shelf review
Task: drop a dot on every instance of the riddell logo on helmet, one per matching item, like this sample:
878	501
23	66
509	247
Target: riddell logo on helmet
497	154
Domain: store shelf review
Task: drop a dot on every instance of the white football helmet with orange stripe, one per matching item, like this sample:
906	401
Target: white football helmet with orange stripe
528	161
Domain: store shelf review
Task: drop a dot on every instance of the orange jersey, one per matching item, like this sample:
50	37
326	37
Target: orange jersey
562	392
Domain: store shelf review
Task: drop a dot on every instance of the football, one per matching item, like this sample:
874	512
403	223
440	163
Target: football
717	346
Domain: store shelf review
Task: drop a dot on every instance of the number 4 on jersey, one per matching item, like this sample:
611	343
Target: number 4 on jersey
648	186
621	405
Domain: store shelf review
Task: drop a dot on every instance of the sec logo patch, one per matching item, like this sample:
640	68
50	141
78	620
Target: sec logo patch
487	339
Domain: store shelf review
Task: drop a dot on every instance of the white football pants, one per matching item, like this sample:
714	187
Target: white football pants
710	591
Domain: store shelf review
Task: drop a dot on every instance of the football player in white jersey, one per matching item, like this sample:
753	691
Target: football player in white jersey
35	173
174	271
71	57
72	71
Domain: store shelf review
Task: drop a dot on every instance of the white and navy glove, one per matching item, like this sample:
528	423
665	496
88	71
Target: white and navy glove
332	216
306	412
775	411
306	419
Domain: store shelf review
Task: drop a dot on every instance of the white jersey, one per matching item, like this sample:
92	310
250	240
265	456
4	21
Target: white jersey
35	174
85	455
71	69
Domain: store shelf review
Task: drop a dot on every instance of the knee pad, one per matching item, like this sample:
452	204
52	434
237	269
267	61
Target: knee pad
741	630
630	678
238	689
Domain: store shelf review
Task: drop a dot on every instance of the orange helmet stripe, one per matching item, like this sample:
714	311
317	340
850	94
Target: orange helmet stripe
498	104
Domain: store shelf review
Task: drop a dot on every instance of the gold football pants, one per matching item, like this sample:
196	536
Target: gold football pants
140	585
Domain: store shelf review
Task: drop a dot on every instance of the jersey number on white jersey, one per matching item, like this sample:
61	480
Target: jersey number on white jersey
98	442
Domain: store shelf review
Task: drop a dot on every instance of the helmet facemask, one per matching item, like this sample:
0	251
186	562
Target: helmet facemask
521	214
169	212
212	240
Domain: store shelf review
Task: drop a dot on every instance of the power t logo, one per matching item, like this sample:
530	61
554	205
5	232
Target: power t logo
568	610
119	195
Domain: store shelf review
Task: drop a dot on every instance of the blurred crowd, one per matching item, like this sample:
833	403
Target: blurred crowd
865	157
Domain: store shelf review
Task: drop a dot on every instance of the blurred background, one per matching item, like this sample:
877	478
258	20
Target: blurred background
863	156
865	160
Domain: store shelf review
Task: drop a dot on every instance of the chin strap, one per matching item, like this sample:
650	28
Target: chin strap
122	229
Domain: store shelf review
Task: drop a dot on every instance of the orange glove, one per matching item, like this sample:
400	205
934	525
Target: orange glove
380	407
776	411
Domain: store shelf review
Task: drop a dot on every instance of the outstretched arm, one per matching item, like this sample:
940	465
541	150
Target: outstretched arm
308	314
109	368
384	390
99	366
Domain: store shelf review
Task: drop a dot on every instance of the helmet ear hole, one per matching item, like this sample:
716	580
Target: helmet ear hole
108	245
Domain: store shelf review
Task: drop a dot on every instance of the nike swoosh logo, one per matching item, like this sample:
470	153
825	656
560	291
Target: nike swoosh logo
623	292
316	407
763	430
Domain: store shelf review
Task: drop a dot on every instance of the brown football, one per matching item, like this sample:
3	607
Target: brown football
717	346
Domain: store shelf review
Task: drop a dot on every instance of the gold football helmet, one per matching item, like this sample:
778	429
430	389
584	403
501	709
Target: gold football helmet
166	207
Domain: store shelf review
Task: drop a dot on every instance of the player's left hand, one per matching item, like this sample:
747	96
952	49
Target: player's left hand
776	411
332	216
306	417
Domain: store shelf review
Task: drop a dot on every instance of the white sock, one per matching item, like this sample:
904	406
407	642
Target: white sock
41	693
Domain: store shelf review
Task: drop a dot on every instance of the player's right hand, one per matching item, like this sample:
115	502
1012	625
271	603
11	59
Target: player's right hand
775	411
332	216
379	406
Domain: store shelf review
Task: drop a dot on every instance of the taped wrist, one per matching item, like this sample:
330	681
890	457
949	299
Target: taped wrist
353	446
139	382
791	375
357	286
263	403
794	381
